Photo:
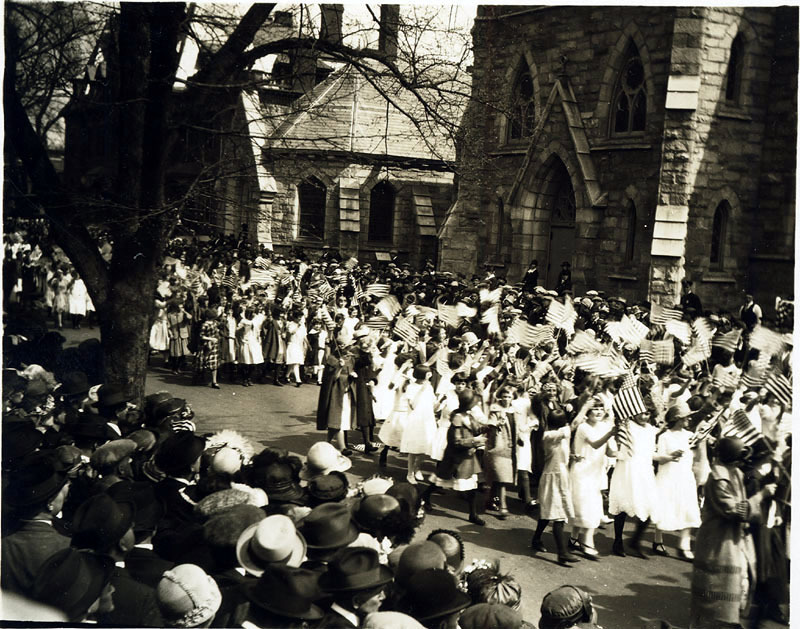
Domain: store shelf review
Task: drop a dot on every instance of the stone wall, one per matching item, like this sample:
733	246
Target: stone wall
688	159
405	232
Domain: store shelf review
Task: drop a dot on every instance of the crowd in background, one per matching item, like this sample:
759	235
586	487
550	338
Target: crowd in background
592	410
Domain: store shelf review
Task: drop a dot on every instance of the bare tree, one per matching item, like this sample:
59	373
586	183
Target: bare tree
141	44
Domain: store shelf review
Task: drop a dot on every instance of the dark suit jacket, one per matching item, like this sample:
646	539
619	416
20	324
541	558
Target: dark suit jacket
134	603
24	551
146	566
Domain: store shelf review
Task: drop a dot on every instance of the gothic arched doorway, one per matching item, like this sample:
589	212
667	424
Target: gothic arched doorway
562	221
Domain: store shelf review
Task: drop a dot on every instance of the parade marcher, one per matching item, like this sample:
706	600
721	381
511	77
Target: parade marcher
179	326
459	468
725	555
632	492
420	429
555	499
677	508
531	279
587	474
500	454
249	351
207	359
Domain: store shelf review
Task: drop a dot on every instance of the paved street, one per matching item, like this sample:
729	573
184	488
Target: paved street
627	591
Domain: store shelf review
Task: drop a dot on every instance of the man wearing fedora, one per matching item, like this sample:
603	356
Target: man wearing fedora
105	527
284	597
35	496
434	599
357	581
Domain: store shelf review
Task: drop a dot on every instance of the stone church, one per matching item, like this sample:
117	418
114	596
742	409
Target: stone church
643	145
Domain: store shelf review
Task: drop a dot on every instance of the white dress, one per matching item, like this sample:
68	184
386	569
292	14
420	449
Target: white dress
587	475
633	484
249	347
420	429
525	424
391	433
676	507
159	331
77	298
555	498
383	404
295	345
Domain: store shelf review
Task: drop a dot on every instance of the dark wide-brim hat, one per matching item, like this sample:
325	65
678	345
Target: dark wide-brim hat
329	526
179	451
74	383
278	480
36	482
328	488
433	593
111	395
371	511
71	580
20	439
100	522
149	509
355	569
288	592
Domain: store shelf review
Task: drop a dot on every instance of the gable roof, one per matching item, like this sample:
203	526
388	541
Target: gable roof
562	90
371	114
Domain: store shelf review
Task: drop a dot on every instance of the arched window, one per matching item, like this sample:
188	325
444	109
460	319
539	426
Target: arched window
630	240
522	112
312	197
733	82
381	212
629	106
719	234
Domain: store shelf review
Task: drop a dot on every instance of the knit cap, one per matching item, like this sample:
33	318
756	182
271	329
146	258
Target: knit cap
187	596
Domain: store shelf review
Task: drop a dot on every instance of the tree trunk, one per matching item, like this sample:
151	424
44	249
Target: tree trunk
125	321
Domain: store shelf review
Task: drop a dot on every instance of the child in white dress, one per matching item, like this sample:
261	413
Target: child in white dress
526	423
420	429
678	509
633	484
587	474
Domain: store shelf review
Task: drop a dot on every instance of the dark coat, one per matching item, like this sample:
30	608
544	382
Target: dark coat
146	566
724	549
336	383
367	374
24	551
459	459
134	603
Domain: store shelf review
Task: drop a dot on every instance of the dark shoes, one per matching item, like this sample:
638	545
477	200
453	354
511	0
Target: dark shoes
618	549
660	549
477	520
567	558
538	546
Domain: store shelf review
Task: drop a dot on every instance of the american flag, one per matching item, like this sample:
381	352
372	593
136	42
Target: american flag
599	365
693	356
326	291
377	323
489	317
628	402
358	292
728	341
465	311
388	306
492	297
261	277
562	315
766	341
261	263
527	335
286	280
448	315
628	329
781	387
407	331
739	425
703	430
584	343
350	264
659	315
379	290
442	364
623	437
726	380
661	352
231	278
680	330
703	335
326	318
